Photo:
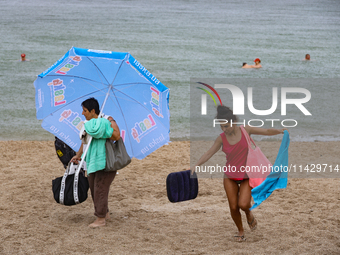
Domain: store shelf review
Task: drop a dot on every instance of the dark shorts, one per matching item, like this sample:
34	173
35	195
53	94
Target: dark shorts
240	181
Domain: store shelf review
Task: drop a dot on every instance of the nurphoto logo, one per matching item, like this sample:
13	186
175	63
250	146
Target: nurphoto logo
238	99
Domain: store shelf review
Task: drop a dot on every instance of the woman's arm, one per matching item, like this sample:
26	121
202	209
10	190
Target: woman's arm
77	157
264	131
256	66
116	133
206	156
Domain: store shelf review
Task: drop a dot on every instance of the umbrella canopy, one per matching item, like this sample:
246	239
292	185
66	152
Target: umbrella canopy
124	88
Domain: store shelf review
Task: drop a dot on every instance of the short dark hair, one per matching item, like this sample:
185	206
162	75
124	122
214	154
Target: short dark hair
91	104
244	64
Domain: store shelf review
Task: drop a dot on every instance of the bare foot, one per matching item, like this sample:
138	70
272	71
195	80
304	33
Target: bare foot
99	222
107	217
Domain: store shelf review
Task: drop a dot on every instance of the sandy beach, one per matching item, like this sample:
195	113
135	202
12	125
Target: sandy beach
304	218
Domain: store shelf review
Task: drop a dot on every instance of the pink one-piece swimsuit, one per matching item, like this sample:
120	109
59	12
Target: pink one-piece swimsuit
236	156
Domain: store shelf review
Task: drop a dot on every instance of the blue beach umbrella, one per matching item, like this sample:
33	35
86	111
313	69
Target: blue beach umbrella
127	91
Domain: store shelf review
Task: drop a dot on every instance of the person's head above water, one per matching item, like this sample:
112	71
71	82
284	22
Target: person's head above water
307	57
244	64
23	57
257	60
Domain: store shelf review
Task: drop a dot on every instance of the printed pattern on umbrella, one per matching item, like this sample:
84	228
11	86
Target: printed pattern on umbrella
134	97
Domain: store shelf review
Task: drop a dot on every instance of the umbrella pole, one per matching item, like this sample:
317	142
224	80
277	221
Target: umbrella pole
76	175
106	97
90	140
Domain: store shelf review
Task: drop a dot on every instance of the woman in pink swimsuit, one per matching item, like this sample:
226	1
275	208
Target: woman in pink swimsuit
236	182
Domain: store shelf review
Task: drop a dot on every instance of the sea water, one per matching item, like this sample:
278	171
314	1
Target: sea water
175	41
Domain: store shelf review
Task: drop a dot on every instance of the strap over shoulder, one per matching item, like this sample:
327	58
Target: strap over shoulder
106	116
102	115
248	137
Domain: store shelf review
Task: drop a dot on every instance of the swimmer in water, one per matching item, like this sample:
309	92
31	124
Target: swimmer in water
245	65
23	57
257	63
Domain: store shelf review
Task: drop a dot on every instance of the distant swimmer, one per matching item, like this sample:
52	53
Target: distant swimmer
257	63
245	65
307	57
23	57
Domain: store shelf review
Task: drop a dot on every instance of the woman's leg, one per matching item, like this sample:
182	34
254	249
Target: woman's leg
99	183
232	190
244	202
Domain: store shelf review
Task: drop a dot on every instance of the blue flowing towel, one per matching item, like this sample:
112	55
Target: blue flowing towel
277	179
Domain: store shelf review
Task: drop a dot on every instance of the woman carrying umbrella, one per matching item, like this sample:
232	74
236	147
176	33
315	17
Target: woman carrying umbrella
236	182
99	180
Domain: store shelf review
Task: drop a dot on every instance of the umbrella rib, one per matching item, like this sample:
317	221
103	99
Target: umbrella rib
132	83
133	100
120	108
118	69
88	81
121	111
66	105
74	76
98	70
111	88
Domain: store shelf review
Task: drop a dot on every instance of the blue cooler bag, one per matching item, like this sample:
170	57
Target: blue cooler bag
181	186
